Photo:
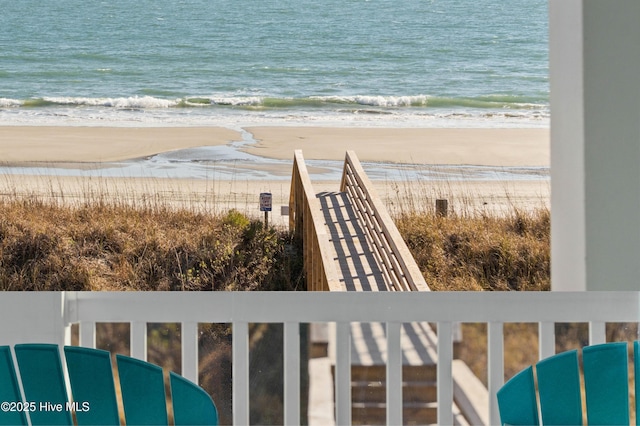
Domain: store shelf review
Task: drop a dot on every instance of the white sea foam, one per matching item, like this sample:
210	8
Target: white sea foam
130	102
392	101
237	100
104	113
8	103
377	101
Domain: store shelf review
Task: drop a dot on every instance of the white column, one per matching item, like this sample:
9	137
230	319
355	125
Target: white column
568	247
595	144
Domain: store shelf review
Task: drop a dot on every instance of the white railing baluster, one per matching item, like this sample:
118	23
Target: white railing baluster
240	373
138	340
597	332
291	373
189	345
87	334
445	373
546	339
394	374
495	349
343	373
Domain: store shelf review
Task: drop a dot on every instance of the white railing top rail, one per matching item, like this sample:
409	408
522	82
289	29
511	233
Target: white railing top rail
27	317
397	260
280	307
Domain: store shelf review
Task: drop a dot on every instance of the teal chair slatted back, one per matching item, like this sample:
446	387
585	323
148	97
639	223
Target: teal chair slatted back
92	385
191	404
141	381
606	388
518	401
9	389
606	382
559	389
94	390
43	383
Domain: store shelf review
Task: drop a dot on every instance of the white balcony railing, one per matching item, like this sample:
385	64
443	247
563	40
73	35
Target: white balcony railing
47	317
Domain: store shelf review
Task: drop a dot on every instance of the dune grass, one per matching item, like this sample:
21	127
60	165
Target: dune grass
484	252
494	235
110	246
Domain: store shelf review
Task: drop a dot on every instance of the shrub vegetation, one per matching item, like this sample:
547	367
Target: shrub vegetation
480	252
102	246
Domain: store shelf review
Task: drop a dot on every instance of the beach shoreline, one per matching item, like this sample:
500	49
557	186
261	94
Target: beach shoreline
270	150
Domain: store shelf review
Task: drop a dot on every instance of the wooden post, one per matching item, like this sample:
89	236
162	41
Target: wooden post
442	207
266	219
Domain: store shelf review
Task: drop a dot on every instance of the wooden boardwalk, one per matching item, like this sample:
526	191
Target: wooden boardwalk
350	243
357	266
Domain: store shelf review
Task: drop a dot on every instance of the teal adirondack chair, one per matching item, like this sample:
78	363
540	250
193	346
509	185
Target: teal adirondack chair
93	389
558	392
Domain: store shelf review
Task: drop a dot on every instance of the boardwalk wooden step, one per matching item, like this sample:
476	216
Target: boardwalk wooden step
375	413
368	394
373	373
423	392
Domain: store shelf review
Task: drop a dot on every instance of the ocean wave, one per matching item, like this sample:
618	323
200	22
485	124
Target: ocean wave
120	103
379	101
8	103
487	102
248	116
367	103
237	100
129	102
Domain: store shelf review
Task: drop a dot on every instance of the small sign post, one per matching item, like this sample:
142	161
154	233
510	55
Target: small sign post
265	206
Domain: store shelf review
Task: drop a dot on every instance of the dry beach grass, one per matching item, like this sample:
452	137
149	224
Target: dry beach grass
111	246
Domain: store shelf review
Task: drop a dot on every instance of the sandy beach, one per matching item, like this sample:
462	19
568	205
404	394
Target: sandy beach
488	147
483	147
67	144
91	147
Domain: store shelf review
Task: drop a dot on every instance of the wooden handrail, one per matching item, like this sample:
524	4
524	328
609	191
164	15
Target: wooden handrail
396	261
307	223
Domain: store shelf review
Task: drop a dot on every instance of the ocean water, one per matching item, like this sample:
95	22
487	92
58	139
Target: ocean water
220	62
